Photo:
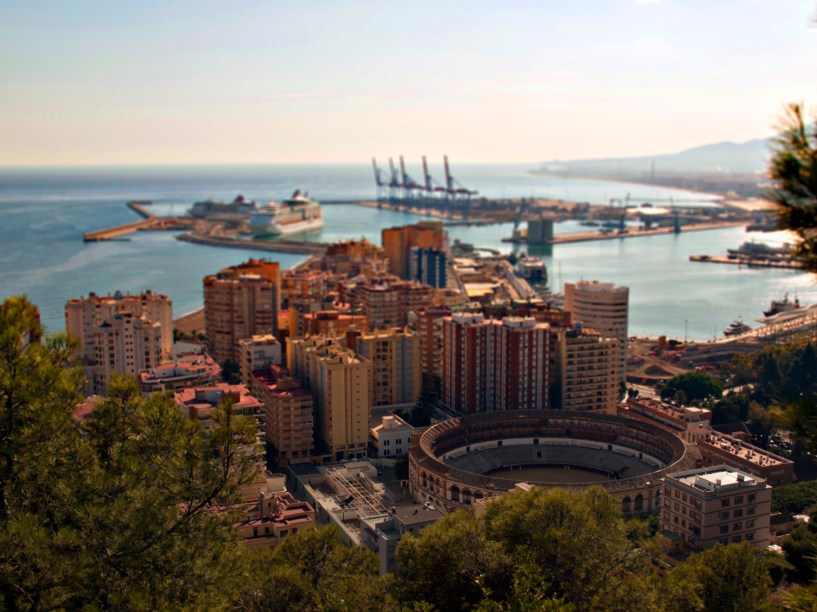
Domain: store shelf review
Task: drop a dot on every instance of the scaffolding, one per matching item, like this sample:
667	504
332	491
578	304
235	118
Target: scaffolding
358	493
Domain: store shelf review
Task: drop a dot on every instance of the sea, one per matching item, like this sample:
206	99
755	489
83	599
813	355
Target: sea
45	213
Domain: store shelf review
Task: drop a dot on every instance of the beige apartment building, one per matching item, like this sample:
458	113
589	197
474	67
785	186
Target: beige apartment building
603	307
240	302
394	355
342	385
714	505
120	334
589	372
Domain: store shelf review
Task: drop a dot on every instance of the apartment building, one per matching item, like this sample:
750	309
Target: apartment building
342	385
394	355
589	372
120	334
603	307
427	323
188	370
716	504
240	302
495	365
288	414
258	352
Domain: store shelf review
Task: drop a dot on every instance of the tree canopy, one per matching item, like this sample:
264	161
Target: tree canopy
692	387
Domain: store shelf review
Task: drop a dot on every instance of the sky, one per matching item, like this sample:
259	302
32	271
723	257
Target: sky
215	82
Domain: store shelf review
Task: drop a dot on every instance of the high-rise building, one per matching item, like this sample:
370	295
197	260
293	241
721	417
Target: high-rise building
465	353
388	303
240	302
495	365
603	307
394	355
343	389
427	322
714	505
398	241
519	358
288	414
428	266
122	334
589	370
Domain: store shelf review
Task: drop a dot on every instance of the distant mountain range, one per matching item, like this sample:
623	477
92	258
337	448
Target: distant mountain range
719	158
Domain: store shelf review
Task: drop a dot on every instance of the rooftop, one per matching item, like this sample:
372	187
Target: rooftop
742	450
716	478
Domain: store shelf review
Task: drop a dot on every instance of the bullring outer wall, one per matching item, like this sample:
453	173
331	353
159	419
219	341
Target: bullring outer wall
432	480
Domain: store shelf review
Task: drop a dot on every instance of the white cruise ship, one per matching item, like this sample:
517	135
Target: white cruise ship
296	214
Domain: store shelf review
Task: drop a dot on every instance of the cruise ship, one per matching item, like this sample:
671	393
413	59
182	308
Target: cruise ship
210	208
296	214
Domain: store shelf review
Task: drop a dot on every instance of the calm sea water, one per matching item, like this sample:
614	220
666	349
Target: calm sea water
45	212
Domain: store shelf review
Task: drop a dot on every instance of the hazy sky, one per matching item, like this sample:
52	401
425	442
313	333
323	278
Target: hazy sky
148	82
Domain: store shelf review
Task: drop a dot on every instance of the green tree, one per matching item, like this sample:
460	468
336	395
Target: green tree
793	170
314	570
728	577
694	385
578	540
452	564
116	512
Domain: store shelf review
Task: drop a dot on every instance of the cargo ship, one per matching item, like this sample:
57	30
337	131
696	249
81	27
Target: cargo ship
294	215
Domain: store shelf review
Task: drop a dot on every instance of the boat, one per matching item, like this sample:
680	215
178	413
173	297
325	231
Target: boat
532	269
210	208
784	305
736	328
294	215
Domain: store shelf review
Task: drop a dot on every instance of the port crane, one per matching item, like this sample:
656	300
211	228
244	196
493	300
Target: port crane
378	179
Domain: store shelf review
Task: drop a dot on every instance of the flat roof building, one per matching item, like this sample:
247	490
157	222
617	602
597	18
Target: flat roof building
717	504
717	448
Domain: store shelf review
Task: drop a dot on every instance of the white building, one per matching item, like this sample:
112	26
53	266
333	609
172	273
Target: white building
391	437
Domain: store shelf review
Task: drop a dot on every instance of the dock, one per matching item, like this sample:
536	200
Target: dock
784	264
281	246
638	233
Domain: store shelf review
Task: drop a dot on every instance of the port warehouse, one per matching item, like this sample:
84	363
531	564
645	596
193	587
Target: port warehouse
449	463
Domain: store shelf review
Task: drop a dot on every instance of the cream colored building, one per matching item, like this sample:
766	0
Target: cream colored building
394	355
715	505
122	334
342	385
603	307
589	372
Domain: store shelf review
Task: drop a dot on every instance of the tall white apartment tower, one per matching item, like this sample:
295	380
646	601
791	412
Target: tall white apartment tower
603	307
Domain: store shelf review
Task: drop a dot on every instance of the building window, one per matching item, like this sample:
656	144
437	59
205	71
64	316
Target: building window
724	516
739	499
725	502
724	528
737	513
751	498
737	526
